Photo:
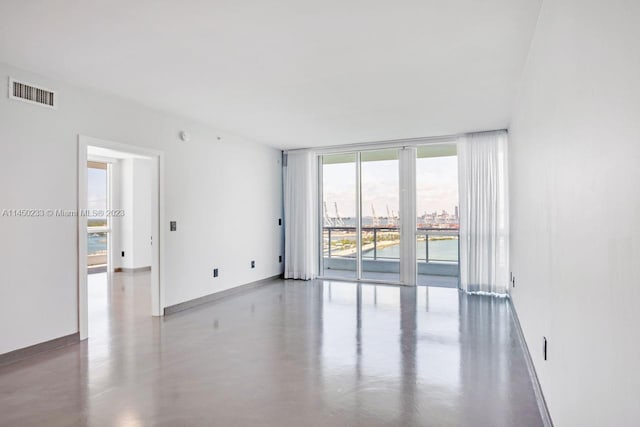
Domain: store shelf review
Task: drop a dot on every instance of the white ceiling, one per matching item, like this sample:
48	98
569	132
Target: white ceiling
290	73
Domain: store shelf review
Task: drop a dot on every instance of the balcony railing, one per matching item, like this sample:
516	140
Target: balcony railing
97	246
382	243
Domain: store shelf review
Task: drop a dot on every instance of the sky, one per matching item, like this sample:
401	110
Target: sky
96	188
437	186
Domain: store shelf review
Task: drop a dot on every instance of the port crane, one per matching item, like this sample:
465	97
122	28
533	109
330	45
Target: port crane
328	222
376	220
338	222
391	217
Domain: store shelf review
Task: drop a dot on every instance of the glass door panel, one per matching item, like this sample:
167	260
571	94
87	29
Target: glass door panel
98	221
361	208
380	205
339	216
437	215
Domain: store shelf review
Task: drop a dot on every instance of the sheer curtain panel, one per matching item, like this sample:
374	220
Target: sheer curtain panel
484	215
300	215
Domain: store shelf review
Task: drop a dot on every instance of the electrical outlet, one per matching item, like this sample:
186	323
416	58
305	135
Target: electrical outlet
215	272
253	264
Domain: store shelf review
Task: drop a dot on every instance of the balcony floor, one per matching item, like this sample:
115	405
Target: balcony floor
423	279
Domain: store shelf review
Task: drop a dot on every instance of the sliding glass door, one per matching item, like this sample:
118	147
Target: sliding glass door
360	206
339	218
380	206
437	226
390	215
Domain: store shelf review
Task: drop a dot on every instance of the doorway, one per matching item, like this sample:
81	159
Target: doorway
119	239
390	215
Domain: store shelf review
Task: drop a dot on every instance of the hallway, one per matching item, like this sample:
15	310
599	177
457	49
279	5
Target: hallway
287	353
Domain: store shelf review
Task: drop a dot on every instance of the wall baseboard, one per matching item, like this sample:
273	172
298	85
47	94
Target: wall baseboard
218	295
32	350
131	270
537	389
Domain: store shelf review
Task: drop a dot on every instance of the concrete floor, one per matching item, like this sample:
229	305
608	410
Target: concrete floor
287	354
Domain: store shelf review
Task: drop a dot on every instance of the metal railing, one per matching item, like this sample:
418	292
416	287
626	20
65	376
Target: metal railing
329	233
97	246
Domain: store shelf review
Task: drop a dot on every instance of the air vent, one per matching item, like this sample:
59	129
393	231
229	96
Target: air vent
26	92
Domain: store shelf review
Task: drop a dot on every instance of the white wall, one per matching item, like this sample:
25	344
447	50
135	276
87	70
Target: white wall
225	195
575	212
135	225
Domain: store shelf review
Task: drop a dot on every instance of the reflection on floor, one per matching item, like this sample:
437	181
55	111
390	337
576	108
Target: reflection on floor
289	353
116	305
423	279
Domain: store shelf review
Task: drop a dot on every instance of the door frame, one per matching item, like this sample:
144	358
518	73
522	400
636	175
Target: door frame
157	218
408	228
406	171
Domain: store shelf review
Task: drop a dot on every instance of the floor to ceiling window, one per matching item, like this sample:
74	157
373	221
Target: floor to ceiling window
437	214
339	200
380	205
97	221
362	237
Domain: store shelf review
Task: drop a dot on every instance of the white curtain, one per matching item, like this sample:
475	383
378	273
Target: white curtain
484	213
300	215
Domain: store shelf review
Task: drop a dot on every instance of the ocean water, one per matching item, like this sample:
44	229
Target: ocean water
96	243
439	250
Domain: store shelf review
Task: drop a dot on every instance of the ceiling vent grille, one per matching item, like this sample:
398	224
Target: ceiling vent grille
26	92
